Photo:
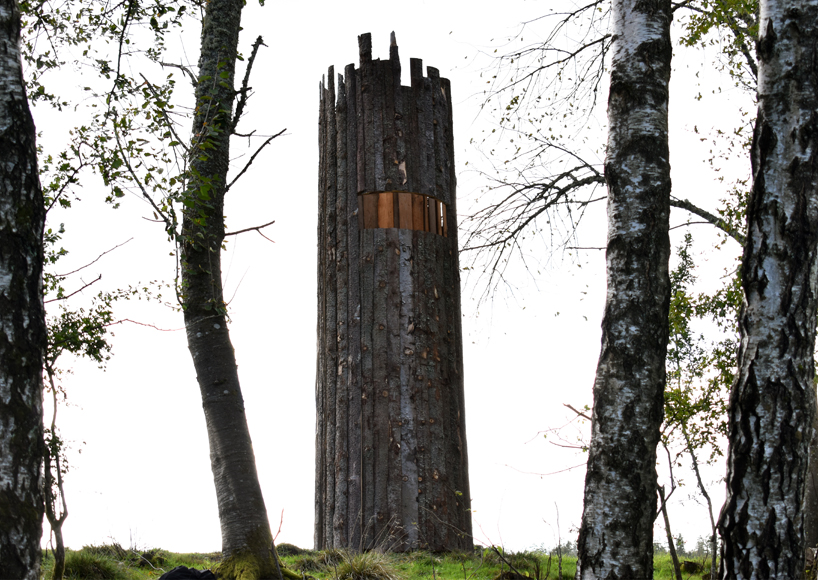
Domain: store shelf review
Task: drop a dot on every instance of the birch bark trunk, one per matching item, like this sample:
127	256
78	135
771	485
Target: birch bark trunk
246	536
616	534
772	403
22	319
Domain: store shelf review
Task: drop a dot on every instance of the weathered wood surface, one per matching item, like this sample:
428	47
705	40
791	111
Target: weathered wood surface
391	465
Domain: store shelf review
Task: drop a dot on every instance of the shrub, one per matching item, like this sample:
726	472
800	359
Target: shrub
89	565
367	566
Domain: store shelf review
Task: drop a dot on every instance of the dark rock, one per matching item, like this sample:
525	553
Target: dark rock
185	573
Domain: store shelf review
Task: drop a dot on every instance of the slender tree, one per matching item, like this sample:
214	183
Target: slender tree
772	402
616	534
22	319
246	535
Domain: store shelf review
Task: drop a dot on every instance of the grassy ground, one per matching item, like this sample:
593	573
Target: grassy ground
112	562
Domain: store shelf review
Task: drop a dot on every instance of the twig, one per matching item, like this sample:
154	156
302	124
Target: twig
184	69
583	415
94	261
256	228
281	521
714	220
244	88
75	292
253	158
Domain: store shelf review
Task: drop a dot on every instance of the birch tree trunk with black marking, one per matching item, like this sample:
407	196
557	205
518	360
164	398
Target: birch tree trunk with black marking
391	458
22	318
772	402
616	534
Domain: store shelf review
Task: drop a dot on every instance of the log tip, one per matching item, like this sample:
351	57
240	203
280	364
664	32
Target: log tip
365	47
392	40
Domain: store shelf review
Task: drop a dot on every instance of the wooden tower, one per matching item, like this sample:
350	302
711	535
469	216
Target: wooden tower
391	461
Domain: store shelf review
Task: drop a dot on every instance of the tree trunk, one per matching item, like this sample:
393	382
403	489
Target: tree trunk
772	402
391	458
811	493
671	545
246	536
22	318
616	534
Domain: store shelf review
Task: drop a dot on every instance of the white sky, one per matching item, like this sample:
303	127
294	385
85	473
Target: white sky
143	475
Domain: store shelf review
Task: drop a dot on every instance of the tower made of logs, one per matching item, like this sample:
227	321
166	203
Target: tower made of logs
391	460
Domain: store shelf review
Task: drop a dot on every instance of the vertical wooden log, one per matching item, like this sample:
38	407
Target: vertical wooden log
355	391
319	368
390	443
340	515
368	394
331	362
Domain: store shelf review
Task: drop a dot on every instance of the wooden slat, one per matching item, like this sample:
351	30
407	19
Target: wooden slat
386	209
353	515
368	394
445	221
380	373
393	371
370	208
405	211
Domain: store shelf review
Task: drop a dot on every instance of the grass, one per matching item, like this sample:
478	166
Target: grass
113	562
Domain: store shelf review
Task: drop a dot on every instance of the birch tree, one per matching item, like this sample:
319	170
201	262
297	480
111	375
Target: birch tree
22	320
772	402
616	534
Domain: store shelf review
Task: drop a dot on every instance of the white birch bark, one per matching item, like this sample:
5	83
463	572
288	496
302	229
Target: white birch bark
22	322
616	535
772	402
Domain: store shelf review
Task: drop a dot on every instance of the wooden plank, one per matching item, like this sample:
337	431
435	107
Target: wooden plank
378	125
370	208
393	344
445	221
361	133
368	394
368	96
331	363
408	398
320	465
426	135
431	204
380	370
386	209
405	211
354	390
417	212
341	421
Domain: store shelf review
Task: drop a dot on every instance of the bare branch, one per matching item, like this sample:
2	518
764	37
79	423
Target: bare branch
184	69
580	413
253	158
255	228
93	261
75	292
709	217
244	88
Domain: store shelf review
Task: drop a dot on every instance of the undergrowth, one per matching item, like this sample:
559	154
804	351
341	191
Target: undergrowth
113	562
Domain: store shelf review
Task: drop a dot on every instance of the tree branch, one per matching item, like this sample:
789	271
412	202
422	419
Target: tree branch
253	158
74	292
709	217
244	88
255	228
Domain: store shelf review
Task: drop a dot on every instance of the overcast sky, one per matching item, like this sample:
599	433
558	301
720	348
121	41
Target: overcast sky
140	471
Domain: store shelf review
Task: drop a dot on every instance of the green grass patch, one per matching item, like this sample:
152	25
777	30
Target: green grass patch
113	562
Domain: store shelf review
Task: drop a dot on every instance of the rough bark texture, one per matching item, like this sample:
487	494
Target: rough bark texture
811	492
246	537
772	403
616	534
391	461
22	319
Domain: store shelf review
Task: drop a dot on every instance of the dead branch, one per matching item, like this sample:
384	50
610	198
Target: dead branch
709	217
581	414
74	292
255	228
243	92
253	158
95	260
